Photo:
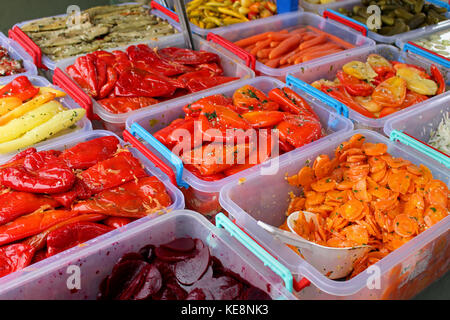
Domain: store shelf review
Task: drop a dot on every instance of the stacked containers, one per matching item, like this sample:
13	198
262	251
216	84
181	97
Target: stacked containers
83	126
41	60
415	127
403	273
289	21
172	17
352	23
201	195
327	69
17	53
48	279
316	7
19	278
116	122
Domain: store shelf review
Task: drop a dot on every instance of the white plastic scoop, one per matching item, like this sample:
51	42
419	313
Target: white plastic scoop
335	263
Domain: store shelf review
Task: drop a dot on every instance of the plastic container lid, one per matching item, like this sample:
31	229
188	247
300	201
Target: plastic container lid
230	66
17	53
415	126
311	7
83	125
267	198
48	279
155	119
327	68
240	31
51	65
352	23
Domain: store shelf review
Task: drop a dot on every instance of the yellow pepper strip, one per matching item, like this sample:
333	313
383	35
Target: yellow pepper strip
216	4
227	21
214	20
232	13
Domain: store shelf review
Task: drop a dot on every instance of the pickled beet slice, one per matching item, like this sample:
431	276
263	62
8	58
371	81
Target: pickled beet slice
225	288
152	284
180	245
147	252
131	256
196	294
190	270
122	279
254	293
172	256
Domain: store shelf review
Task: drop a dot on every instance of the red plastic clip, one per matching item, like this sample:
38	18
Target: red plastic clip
426	144
28	45
331	15
155	5
127	136
249	59
76	93
429	51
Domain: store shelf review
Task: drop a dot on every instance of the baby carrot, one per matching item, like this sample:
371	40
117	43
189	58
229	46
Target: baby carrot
273	63
284	59
319	54
313	42
285	46
345	44
251	40
260	45
273	44
263	53
277	36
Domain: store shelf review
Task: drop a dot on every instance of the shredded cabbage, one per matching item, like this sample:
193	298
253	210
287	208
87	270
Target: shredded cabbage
440	138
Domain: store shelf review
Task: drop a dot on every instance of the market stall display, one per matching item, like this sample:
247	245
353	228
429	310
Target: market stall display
202	178
403	272
32	112
13	60
53	200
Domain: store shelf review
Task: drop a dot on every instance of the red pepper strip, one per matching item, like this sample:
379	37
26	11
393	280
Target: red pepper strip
119	105
72	235
338	92
107	57
387	111
122	63
195	85
15	257
195	172
5	89
53	178
439	78
412	98
101	67
213	67
174	134
20	156
285	146
86	67
37	160
299	130
112	172
249	98
111	79
264	119
27	94
15	204
32	224
353	85
39	256
86	154
79	191
39	241
194	109
140	83
73	72
200	74
290	101
187	56
19	84
130	200
117	222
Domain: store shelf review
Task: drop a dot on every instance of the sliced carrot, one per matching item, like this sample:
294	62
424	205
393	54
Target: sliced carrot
351	210
324	185
357	234
434	214
374	149
322	166
306	177
405	226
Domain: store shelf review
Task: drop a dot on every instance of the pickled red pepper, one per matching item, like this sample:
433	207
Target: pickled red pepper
52	200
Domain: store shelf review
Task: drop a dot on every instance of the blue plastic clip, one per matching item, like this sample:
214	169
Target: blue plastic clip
440	4
137	130
284	6
223	222
419	146
302	85
430	56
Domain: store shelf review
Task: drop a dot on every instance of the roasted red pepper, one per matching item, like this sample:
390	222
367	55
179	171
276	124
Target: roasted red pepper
199	84
412	98
214	67
290	101
15	257
15	204
298	130
21	88
73	234
86	154
110	82
116	222
439	78
194	109
134	199
85	65
264	119
112	172
172	135
353	85
79	191
249	98
119	105
73	72
186	56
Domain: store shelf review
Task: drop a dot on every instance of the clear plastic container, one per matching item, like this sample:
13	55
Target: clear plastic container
402	274
352	23
292	20
20	280
83	125
172	17
327	69
415	126
48	279
405	43
43	61
203	196
17	53
116	122
311	7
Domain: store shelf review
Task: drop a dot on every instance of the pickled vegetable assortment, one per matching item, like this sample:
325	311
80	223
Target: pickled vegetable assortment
438	42
279	49
8	65
30	114
98	27
208	14
378	87
248	109
182	269
365	196
123	81
53	200
398	16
